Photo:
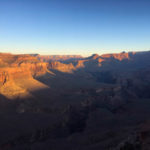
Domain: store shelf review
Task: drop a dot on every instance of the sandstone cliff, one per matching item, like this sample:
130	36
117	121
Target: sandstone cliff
56	65
17	71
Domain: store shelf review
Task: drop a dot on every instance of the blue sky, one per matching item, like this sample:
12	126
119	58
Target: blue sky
74	26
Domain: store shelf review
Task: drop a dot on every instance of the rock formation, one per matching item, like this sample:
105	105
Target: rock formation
19	68
56	65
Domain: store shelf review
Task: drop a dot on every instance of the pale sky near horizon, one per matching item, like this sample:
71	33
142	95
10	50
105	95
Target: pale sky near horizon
74	26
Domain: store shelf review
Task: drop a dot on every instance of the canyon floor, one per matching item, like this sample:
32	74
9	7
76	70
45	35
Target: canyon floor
75	103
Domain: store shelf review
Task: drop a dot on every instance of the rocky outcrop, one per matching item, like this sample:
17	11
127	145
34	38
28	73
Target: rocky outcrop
17	71
8	78
80	64
25	70
18	81
56	65
36	69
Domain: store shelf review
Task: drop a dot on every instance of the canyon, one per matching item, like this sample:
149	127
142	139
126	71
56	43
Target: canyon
96	102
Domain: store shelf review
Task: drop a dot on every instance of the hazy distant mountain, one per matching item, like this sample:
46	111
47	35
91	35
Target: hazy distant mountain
48	58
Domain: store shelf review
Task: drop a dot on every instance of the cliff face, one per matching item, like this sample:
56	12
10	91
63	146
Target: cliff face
22	72
9	74
17	71
16	82
36	69
61	66
21	65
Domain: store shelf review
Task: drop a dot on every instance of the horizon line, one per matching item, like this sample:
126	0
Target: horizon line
123	51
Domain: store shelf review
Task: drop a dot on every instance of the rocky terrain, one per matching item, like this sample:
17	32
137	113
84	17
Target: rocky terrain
101	102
